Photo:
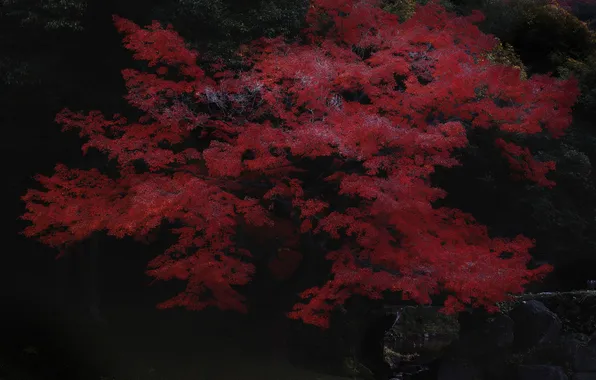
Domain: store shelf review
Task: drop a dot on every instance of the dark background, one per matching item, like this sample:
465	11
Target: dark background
68	54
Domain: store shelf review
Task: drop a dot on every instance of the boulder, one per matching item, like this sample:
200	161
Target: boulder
569	347
584	376
488	336
457	368
541	372
534	324
501	331
585	359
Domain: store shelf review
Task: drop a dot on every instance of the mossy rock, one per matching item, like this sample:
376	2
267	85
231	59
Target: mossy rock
356	370
423	319
576	309
422	335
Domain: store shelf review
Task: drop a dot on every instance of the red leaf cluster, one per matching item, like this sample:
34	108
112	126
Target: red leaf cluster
224	151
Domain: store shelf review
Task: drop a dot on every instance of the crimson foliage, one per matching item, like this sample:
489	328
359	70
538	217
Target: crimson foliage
384	102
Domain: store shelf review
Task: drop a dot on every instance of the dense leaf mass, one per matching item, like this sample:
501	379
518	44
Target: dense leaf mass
373	105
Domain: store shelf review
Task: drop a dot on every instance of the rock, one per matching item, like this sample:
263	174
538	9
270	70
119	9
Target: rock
392	358
488	337
541	372
498	366
534	324
584	376
500	331
570	344
569	347
372	350
478	352
585	359
458	369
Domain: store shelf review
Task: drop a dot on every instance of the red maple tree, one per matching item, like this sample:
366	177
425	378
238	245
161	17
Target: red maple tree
343	129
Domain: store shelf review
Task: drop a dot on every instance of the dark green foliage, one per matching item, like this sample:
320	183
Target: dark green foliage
546	37
29	34
47	15
547	31
585	71
218	27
